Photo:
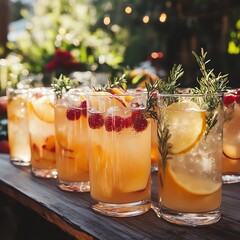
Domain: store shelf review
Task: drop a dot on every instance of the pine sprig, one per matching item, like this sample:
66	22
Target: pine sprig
119	82
63	84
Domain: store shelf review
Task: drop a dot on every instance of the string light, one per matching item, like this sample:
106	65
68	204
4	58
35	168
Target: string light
107	20
128	10
163	17
155	55
146	19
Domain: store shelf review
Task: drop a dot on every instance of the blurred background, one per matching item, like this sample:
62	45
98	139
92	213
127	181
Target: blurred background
106	36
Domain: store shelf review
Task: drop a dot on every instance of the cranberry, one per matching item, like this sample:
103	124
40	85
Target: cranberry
95	120
73	114
115	123
228	99
83	107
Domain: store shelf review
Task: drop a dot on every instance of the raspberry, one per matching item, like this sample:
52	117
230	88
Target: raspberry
238	96
73	114
83	107
115	123
139	121
228	99
95	120
128	122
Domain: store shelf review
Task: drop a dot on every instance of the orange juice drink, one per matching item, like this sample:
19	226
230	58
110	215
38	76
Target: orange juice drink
231	137
120	148
190	181
42	132
18	134
72	141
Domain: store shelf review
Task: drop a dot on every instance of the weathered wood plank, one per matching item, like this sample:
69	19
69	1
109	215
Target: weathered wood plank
72	213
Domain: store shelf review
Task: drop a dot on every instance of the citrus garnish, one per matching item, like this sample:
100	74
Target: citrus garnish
197	185
43	109
186	124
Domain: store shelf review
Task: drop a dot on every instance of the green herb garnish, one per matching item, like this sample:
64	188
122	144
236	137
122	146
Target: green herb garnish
63	84
209	84
119	82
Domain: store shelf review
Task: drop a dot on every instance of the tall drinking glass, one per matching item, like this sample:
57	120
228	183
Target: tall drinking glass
190	138
231	137
72	141
42	132
120	153
18	134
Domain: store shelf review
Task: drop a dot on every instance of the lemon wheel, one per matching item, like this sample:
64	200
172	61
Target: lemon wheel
186	125
43	109
197	185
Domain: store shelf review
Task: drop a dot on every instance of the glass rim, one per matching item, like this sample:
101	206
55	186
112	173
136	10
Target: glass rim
124	94
218	94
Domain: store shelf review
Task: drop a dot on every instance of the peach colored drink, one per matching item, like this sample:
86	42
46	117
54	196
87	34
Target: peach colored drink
18	134
231	137
120	147
190	183
155	155
72	141
42	132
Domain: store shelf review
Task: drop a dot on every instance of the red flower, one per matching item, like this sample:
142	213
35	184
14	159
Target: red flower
64	60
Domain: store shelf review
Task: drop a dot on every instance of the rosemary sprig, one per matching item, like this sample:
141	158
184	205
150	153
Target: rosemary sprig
163	136
209	84
119	82
63	84
170	85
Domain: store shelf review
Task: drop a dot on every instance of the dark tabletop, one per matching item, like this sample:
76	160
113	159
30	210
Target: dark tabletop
71	212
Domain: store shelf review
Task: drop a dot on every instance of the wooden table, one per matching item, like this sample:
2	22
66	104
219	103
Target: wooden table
71	212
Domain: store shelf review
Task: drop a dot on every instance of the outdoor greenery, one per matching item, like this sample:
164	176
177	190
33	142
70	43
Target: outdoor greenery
77	26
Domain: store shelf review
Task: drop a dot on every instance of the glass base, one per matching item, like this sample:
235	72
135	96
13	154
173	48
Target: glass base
20	162
154	168
122	210
230	178
44	173
74	186
190	219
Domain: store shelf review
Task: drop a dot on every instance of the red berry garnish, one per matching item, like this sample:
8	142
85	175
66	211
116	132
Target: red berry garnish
73	114
128	122
95	120
83	107
139	121
115	123
238	97
228	99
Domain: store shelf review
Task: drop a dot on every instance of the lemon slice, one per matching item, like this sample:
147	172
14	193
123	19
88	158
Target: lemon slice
231	140
186	125
43	109
193	184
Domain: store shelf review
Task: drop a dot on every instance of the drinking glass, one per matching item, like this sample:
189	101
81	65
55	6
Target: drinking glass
71	141
42	132
155	155
231	137
190	143
120	153
18	134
